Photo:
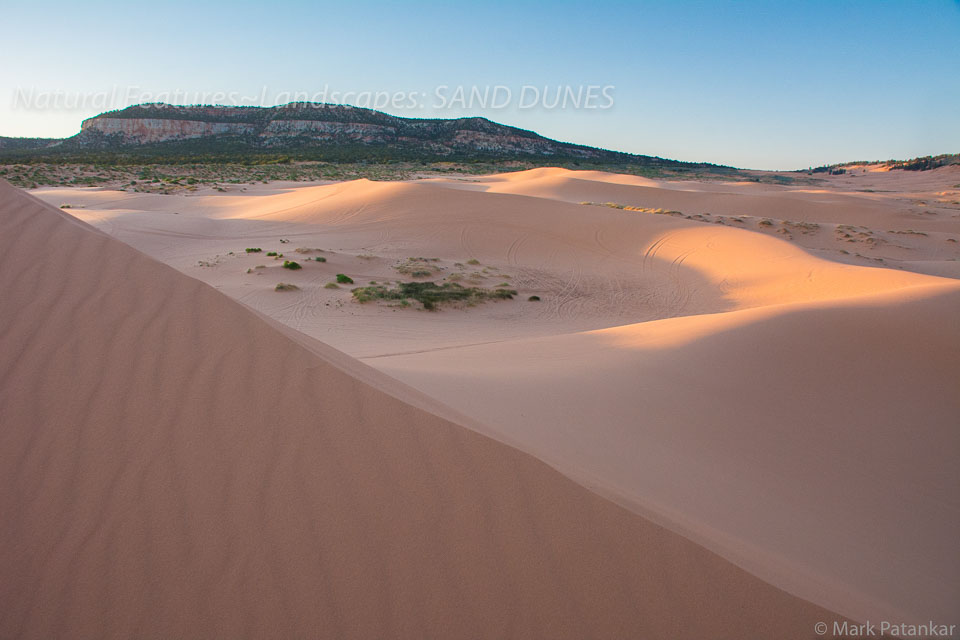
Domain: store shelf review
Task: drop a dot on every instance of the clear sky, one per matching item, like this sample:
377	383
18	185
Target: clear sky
772	85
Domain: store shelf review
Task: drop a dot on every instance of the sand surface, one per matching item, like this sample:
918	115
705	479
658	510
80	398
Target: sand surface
176	465
769	371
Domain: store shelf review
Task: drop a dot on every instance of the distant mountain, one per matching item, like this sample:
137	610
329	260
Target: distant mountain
310	131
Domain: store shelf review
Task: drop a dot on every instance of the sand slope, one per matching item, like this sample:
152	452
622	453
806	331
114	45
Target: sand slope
175	466
815	444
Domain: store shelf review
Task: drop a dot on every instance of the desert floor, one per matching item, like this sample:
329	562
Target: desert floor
752	390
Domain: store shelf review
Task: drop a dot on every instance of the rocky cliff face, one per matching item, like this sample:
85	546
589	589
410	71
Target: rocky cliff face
148	130
299	126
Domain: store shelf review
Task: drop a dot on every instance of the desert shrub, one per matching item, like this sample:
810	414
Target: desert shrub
344	279
430	294
320	259
534	298
291	264
418	267
331	285
271	254
254	249
283	286
473	261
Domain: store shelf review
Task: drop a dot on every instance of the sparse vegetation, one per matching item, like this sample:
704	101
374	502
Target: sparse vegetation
271	254
320	259
254	249
627	207
344	279
418	267
291	264
430	294
803	227
331	285
473	261
283	286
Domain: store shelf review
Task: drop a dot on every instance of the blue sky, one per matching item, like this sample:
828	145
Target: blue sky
773	85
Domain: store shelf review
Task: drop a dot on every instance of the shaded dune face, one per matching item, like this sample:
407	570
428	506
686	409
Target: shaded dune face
814	444
173	465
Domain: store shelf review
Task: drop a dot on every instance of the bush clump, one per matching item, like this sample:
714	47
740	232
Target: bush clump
291	264
283	286
271	254
320	259
418	267
254	249
344	279
534	299
331	285
430	294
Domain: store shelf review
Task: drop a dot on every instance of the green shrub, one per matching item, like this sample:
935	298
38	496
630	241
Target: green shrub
430	294
271	254
291	264
534	298
254	249
320	259
344	279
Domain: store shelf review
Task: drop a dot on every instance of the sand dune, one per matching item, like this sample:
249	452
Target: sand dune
176	466
817	442
767	370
